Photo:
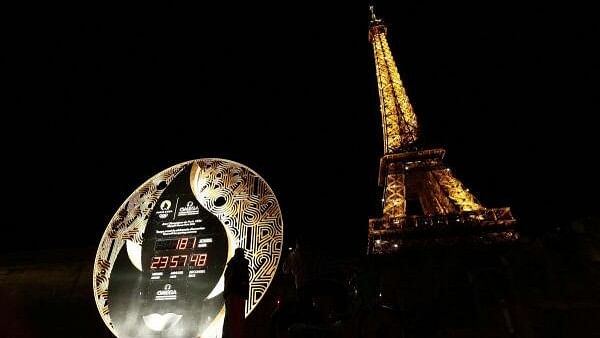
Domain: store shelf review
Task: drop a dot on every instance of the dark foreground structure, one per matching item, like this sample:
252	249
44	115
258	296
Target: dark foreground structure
545	287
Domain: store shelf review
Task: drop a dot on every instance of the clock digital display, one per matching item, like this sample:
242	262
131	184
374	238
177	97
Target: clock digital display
179	259
176	261
175	243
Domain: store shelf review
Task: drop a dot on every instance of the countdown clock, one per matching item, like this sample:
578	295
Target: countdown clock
159	267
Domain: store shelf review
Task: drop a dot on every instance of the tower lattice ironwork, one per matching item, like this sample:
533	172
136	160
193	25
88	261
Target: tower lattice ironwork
448	211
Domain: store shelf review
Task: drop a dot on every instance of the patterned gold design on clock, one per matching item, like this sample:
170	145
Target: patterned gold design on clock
128	223
247	207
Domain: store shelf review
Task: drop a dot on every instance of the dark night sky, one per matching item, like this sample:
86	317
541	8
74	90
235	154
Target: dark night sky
102	103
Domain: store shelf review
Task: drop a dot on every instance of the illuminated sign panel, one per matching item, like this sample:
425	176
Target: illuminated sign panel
159	267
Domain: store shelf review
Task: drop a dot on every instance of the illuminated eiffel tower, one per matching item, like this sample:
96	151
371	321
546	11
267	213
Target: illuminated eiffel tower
449	212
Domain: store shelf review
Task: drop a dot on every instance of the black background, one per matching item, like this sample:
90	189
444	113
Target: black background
101	99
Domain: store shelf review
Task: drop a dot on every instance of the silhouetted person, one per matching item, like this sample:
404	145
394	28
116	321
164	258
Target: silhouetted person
296	264
237	285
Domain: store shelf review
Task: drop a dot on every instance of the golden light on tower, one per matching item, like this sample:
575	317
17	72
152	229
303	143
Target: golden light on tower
399	120
419	175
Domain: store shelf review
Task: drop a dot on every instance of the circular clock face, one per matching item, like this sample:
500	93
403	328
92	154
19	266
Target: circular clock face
159	267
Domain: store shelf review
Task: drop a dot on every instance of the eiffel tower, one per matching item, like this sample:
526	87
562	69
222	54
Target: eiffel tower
416	176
